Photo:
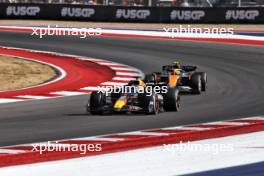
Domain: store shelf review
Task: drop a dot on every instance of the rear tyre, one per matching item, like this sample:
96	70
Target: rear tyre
204	80
97	102
171	100
196	83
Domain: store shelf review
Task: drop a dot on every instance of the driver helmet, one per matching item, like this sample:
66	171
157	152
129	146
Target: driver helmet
176	64
177	72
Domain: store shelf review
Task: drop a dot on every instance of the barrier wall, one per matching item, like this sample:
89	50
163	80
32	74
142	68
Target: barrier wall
131	14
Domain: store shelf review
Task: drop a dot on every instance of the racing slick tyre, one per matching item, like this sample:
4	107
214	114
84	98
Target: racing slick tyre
149	103
97	102
204	80
171	100
196	83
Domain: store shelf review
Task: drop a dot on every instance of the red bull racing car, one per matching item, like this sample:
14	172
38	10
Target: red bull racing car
137	96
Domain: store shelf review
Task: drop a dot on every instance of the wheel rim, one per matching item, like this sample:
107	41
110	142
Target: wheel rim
178	103
200	85
151	108
156	105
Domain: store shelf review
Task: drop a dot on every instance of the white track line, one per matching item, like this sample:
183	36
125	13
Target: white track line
9	100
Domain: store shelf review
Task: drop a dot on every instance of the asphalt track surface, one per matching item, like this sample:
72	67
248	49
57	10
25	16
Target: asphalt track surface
236	87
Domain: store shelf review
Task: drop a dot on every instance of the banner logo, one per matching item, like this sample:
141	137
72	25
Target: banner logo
187	15
77	12
132	13
22	10
242	14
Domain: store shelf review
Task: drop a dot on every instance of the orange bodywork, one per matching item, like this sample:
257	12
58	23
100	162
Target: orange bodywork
174	77
173	80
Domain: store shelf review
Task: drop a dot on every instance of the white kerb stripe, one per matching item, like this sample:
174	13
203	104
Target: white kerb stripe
253	118
96	139
33	97
91	59
34	144
123	68
11	151
68	93
186	128
91	88
123	79
144	133
113	83
108	63
227	123
128	74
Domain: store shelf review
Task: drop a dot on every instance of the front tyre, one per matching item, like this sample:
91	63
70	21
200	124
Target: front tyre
97	102
150	103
